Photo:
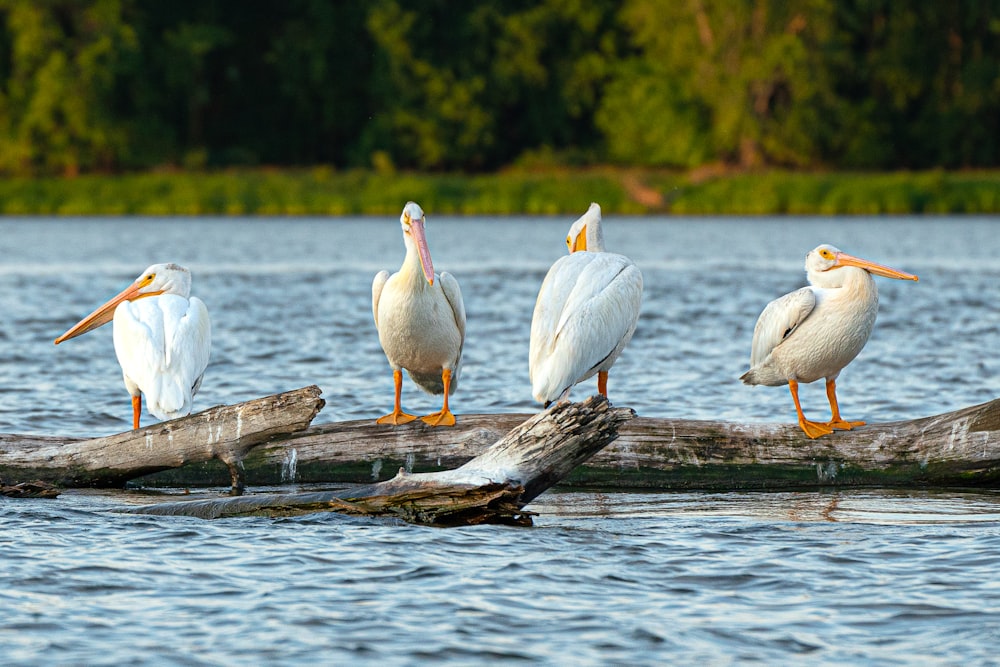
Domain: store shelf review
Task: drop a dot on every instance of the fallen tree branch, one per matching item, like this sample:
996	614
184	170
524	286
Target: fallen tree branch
491	488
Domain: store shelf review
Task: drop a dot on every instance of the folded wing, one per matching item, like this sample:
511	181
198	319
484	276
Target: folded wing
779	320
163	345
585	314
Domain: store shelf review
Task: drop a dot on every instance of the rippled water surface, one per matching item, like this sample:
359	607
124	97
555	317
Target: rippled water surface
837	577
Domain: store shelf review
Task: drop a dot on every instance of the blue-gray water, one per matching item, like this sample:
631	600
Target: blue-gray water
836	577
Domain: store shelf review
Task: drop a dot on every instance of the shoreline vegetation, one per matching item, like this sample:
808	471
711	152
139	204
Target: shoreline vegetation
323	191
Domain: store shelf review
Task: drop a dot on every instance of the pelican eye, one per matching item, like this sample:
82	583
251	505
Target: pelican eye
826	254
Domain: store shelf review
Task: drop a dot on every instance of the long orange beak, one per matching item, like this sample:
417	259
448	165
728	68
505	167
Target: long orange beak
843	259
106	313
420	238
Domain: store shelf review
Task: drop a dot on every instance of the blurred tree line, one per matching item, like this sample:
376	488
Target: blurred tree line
109	85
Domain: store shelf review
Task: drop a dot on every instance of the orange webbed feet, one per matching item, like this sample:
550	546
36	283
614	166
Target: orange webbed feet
396	417
843	425
814	429
443	418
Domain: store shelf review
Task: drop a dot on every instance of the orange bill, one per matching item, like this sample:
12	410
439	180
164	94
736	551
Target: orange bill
843	259
106	313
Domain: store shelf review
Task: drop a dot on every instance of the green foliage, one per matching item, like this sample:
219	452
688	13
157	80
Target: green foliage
431	115
679	135
57	112
322	191
443	86
918	84
738	82
472	85
842	193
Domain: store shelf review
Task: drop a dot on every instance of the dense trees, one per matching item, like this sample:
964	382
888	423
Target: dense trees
100	85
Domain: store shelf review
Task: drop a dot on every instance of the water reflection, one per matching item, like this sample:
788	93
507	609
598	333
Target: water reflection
875	506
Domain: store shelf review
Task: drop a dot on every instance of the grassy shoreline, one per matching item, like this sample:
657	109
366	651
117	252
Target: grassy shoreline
322	191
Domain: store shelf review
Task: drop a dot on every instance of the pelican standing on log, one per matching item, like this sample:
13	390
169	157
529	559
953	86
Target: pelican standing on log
420	318
585	314
162	339
814	332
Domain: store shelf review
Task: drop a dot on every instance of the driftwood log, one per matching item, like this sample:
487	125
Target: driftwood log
960	448
491	488
225	433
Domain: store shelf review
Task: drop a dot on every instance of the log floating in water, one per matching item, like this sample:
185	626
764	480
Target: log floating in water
960	448
493	487
225	433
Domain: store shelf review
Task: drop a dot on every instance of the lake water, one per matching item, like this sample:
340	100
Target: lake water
833	577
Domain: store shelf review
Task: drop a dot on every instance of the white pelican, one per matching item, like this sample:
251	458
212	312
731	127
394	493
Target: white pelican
585	314
162	339
814	332
420	318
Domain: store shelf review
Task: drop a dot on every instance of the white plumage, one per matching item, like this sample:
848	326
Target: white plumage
162	338
420	318
585	313
162	344
814	332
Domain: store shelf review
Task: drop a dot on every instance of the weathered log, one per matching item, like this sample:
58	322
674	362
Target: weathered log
493	487
960	448
225	433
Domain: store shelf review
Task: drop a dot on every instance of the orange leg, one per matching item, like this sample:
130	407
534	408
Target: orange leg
811	429
835	420
602	383
443	418
136	409
397	416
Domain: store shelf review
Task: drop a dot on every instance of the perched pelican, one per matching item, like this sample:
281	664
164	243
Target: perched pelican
162	339
420	319
585	313
814	332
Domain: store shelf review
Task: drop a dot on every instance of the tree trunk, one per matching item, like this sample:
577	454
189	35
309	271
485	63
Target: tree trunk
491	488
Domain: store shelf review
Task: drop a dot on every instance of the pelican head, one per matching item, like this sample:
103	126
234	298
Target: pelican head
412	220
157	279
823	261
586	232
